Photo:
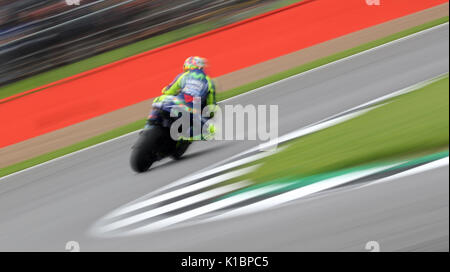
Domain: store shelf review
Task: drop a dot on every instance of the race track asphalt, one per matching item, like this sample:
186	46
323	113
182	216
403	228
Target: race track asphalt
45	207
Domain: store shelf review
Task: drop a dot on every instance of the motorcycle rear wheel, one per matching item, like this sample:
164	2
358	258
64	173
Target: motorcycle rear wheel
142	154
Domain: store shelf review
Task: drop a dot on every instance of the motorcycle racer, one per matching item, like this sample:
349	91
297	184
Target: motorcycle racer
192	83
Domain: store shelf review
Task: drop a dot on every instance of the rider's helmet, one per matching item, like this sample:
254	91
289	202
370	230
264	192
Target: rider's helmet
193	63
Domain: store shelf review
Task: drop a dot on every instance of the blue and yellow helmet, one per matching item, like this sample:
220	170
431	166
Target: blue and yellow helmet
193	63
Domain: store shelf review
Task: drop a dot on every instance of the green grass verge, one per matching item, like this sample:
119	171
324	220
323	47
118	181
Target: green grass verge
293	182
221	96
413	123
72	148
128	51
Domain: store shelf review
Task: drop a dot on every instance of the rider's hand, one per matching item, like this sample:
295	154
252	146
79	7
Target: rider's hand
210	133
212	129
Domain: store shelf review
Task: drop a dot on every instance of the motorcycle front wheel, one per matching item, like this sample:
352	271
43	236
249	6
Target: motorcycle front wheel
180	149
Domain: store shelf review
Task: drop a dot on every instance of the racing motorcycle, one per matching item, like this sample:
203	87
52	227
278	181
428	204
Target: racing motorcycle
155	142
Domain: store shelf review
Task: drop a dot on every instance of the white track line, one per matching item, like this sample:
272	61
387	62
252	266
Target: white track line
327	184
264	204
311	129
182	191
416	170
174	206
215	170
203	210
299	193
68	155
246	93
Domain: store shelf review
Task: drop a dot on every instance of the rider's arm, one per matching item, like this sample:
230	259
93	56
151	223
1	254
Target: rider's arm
174	87
211	98
171	89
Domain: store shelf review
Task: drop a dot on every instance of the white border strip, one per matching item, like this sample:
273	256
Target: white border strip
327	184
173	206
182	191
299	193
202	210
264	204
416	170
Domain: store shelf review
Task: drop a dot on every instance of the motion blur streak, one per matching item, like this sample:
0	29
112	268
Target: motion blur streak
47	206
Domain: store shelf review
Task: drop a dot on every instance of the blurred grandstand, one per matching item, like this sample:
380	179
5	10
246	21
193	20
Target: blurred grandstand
37	35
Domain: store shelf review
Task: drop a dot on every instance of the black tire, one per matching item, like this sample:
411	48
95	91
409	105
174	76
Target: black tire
180	149
142	154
